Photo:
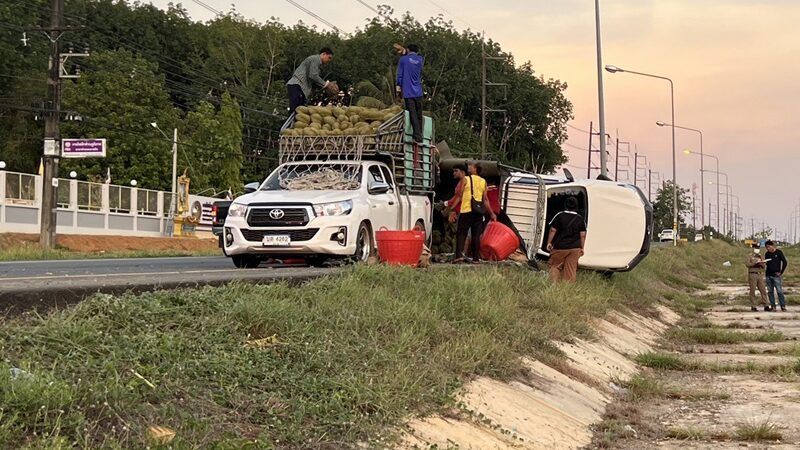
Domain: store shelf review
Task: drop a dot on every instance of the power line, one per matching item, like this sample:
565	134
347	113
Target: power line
369	7
207	7
449	14
314	15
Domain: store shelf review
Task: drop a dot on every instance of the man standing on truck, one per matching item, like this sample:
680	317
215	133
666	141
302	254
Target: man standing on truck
305	76
565	242
409	86
776	265
755	277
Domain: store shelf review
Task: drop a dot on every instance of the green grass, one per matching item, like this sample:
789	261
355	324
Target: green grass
661	361
350	357
642	387
718	335
36	253
758	431
354	354
686	433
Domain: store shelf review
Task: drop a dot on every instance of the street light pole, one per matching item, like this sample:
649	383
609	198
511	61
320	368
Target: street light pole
675	221
702	180
600	96
174	162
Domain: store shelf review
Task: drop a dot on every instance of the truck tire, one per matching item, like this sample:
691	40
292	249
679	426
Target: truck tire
246	261
428	237
365	248
316	260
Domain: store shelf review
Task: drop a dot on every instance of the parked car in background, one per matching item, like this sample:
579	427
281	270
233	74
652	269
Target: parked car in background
667	235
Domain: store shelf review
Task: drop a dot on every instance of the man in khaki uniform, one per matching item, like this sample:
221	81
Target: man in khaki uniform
755	276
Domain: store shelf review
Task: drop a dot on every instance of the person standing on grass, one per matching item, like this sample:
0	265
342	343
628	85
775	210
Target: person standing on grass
305	77
565	242
409	86
474	207
755	277
776	265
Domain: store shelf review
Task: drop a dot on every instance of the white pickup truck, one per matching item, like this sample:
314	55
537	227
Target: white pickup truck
318	224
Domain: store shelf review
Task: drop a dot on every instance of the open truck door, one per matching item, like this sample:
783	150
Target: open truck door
524	200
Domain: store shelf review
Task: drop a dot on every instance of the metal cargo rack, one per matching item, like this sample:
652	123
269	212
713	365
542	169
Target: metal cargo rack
392	143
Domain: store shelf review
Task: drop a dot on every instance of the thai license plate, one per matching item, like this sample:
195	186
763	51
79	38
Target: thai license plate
277	241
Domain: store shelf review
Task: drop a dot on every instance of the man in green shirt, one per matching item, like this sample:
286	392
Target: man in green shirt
305	76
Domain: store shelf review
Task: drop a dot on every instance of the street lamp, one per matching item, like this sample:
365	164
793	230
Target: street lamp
174	162
726	185
615	69
134	183
702	188
704	155
73	174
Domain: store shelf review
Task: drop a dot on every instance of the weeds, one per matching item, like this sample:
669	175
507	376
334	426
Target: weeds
718	335
755	431
661	361
686	433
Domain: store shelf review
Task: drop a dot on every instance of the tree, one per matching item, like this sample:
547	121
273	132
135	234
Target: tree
118	99
663	210
213	146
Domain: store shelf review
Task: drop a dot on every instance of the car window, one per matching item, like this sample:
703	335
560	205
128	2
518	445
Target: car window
374	176
387	176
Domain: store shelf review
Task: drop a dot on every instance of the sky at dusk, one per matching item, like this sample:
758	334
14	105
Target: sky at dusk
735	64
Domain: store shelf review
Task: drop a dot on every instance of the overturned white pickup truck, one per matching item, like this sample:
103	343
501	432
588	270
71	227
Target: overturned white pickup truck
330	194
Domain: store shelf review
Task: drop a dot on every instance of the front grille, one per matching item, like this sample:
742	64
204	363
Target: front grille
292	217
294	235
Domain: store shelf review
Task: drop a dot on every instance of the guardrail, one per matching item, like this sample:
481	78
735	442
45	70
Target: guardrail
91	208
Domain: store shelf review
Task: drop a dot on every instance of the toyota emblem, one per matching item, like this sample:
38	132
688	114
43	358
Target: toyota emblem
276	214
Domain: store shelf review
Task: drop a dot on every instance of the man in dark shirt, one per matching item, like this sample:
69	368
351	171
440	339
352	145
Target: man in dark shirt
776	265
565	242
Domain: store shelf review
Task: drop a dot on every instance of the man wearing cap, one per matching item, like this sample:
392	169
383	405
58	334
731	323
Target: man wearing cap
755	277
776	265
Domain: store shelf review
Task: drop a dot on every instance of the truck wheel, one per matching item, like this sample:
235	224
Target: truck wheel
246	261
316	260
364	246
428	237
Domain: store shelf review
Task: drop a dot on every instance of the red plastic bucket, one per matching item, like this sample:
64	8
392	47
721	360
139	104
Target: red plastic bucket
498	242
400	248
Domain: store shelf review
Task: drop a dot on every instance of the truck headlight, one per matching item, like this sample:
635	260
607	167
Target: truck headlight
237	210
334	209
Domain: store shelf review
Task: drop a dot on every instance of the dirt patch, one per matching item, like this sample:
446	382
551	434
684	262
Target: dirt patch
97	244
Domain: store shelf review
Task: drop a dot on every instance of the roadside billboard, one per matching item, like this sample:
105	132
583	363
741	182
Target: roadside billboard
83	148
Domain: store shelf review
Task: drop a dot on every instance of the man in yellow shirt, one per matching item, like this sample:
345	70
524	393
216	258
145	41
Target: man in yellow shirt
474	207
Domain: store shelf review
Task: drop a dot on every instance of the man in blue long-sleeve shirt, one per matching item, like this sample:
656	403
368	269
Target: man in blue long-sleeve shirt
409	84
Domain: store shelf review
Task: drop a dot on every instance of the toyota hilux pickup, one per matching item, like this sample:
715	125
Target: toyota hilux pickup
332	193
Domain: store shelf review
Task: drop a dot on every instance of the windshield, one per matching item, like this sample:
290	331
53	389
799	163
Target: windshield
314	177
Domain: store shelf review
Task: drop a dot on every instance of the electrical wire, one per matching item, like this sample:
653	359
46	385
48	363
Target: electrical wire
207	7
373	9
314	15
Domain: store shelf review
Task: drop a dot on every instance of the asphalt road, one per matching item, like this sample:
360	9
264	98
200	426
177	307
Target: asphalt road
26	285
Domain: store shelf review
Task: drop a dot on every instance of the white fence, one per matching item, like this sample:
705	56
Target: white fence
91	208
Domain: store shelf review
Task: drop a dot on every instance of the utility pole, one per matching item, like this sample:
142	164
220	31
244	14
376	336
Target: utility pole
600	94
52	135
616	160
650	185
484	84
589	164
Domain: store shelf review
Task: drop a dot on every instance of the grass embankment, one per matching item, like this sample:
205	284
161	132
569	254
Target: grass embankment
25	247
330	364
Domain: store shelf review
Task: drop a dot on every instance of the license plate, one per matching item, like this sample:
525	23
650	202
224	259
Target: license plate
277	241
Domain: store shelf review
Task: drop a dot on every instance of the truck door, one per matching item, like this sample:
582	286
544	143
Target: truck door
383	205
524	200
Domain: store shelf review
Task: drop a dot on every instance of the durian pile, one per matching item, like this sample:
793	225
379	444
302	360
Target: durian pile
339	120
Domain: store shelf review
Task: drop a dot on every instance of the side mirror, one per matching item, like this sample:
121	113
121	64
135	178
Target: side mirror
379	188
249	188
